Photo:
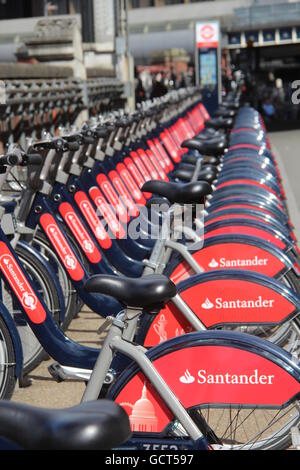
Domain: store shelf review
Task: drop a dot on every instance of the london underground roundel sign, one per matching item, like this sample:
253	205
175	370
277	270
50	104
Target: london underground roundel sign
207	35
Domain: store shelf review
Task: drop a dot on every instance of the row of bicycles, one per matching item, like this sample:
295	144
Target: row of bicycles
173	226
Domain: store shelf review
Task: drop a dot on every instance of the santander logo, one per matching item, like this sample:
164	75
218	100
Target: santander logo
219	303
205	377
60	243
100	233
61	246
237	263
88	246
19	283
108	190
82	236
133	189
207	305
70	262
29	300
187	378
92	218
213	264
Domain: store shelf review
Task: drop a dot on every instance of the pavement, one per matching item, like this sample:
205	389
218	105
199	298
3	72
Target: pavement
45	391
286	147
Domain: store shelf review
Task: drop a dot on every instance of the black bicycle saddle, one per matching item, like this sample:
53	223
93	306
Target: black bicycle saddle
94	425
220	123
210	147
184	174
192	159
179	193
146	292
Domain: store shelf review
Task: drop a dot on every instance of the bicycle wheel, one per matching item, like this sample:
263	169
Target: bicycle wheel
33	352
220	378
7	363
237	428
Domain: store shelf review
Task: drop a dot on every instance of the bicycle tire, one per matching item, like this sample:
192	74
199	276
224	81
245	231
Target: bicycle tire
7	356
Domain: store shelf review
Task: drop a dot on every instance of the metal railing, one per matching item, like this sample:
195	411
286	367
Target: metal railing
34	106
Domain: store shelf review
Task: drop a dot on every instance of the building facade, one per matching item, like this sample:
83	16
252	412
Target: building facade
165	24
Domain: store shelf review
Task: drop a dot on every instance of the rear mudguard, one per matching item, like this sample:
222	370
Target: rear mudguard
249	227
239	199
245	164
47	266
251	214
235	252
245	188
222	299
7	318
250	178
219	368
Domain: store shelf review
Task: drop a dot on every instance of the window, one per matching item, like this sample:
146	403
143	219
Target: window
269	35
173	2
234	38
251	36
285	34
142	3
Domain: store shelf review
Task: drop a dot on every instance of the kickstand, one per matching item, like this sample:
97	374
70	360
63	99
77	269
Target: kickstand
25	381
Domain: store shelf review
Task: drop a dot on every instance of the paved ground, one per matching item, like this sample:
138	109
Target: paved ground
286	146
44	391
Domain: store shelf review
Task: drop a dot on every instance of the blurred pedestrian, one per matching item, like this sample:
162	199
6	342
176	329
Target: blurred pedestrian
159	88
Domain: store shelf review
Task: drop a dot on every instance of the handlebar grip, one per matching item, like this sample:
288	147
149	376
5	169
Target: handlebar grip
89	140
34	159
73	146
10	159
102	133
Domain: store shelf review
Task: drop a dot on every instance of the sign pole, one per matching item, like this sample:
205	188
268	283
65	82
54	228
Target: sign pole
208	63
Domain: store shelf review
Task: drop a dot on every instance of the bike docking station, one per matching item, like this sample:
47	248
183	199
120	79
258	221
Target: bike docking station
171	225
208	63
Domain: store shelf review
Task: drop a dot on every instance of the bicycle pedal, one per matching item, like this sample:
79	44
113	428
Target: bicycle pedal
62	373
55	373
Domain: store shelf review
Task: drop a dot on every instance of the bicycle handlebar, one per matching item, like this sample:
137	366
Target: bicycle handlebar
33	159
11	159
20	158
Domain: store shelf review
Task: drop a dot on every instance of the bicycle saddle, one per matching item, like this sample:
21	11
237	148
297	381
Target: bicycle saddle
192	159
185	174
211	147
225	113
94	425
204	168
203	137
179	193
147	292
220	123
